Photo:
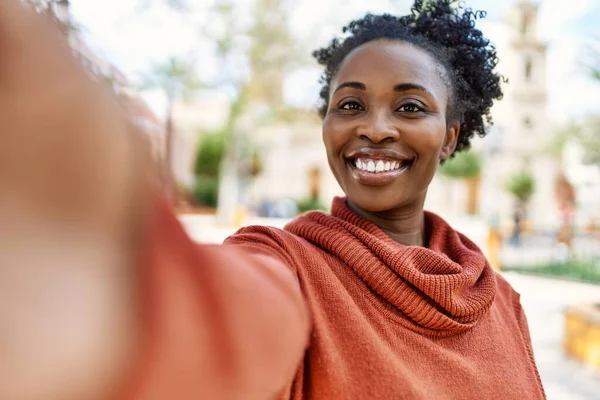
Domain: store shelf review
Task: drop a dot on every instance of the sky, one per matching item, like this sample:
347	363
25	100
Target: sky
135	39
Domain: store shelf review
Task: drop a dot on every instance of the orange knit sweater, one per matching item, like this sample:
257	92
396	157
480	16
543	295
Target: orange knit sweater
387	321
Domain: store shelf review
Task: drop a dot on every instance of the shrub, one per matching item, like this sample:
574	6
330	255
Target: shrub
206	191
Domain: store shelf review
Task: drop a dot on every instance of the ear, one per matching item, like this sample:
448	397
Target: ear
451	140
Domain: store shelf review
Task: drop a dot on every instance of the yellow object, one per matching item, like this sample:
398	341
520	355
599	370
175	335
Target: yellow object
494	243
240	216
582	334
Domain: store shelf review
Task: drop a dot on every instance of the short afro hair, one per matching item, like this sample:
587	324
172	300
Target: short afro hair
446	30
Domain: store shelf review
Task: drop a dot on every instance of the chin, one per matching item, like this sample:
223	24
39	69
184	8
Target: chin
373	203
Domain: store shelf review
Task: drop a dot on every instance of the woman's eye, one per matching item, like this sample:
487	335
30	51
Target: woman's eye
410	108
351	106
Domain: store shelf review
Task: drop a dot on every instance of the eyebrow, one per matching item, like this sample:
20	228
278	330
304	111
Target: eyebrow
401	87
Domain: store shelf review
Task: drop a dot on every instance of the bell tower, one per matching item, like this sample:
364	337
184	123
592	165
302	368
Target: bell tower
526	72
522	126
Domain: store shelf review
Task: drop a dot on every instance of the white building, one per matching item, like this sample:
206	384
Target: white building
522	127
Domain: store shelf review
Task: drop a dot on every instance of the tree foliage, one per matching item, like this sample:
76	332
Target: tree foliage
592	63
176	77
465	164
210	153
521	185
588	136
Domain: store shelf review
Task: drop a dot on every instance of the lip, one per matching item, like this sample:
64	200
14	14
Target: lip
379	178
378	154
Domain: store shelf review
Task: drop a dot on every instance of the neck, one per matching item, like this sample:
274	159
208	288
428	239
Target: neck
406	227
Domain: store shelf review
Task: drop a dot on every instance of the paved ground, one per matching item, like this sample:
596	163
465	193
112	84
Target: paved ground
543	299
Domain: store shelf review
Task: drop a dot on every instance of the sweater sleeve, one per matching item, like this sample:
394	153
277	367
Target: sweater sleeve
220	322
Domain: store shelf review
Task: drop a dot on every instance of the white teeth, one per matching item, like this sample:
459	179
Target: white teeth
376	166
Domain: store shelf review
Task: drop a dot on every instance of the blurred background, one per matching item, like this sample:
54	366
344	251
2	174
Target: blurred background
226	92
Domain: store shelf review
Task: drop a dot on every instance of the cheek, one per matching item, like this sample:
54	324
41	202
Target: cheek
333	137
430	140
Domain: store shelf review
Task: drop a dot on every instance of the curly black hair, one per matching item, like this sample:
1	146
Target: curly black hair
446	30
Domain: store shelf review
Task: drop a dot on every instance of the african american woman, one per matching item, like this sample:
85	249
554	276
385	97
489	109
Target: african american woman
378	299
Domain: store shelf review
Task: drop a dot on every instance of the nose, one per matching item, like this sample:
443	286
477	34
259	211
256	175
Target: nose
378	127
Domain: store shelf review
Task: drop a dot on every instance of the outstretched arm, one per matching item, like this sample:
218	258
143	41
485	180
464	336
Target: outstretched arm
101	292
225	322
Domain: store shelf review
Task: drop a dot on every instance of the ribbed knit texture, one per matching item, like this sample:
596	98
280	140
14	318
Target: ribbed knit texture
400	322
386	321
441	290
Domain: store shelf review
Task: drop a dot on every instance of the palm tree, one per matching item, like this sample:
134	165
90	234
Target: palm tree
177	79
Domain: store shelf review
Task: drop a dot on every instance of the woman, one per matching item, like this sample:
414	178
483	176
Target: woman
379	300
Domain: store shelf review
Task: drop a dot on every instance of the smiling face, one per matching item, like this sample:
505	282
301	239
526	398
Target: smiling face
386	127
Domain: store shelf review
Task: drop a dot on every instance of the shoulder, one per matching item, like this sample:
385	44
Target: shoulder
508	297
505	289
270	241
261	236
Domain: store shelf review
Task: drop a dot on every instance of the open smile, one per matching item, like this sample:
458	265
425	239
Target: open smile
377	167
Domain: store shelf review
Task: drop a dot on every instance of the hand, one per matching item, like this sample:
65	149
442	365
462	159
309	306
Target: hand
69	195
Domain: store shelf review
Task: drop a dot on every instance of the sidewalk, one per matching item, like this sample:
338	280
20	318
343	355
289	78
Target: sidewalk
544	301
204	229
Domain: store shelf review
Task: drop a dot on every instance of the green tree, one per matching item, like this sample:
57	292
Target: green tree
206	168
466	166
587	135
592	61
521	185
210	154
270	52
177	79
556	145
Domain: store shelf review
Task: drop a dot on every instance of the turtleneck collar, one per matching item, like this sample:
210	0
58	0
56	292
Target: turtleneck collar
440	290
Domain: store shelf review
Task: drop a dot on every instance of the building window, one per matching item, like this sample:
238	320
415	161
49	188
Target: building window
528	68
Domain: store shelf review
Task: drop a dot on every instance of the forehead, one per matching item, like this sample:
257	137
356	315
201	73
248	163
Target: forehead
385	63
